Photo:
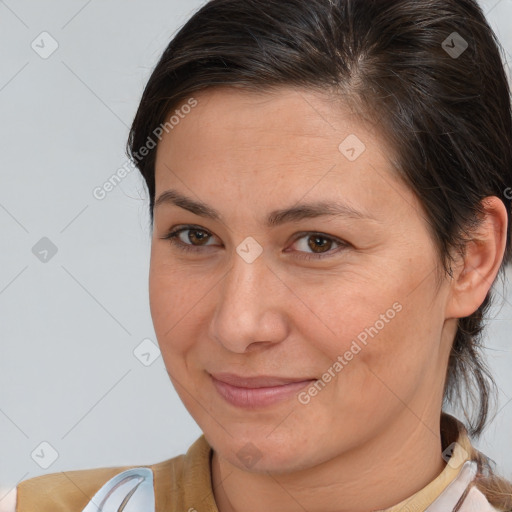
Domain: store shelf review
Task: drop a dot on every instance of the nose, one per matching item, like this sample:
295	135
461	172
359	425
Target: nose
250	310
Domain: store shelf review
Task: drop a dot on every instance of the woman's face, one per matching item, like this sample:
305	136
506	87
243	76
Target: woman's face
308	261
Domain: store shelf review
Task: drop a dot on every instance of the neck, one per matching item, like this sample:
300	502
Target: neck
380	474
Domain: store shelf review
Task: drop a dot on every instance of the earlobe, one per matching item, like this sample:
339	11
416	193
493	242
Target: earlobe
477	270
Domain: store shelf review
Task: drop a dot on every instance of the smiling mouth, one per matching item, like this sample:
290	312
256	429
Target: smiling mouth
256	392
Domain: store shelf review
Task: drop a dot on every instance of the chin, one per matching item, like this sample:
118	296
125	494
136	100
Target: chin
256	452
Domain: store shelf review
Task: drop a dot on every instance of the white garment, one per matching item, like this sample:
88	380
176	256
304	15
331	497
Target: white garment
475	501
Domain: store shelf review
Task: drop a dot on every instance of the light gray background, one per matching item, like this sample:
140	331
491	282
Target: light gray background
69	326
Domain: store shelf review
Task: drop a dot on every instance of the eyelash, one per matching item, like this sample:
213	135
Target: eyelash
172	237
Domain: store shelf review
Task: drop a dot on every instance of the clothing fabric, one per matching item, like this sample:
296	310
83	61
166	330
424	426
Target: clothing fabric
183	484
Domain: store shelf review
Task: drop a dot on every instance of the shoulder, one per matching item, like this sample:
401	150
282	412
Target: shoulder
71	491
66	490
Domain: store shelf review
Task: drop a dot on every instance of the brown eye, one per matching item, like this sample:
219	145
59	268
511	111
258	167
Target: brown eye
316	245
321	243
194	238
193	241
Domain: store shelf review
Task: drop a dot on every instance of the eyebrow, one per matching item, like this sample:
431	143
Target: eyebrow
275	218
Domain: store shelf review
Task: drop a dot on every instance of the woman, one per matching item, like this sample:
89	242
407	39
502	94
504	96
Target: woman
328	190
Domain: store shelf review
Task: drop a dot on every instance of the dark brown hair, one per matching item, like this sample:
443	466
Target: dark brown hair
428	72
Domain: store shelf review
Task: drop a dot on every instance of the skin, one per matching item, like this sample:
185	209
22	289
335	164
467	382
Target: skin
373	431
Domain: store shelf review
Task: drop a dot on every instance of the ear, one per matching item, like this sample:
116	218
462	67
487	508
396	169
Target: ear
475	273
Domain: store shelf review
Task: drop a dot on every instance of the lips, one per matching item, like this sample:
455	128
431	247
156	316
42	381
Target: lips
263	381
258	391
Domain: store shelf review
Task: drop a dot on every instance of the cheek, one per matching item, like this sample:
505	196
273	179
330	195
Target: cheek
397	359
174	303
372	336
340	310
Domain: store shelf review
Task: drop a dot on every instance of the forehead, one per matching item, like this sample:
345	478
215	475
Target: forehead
291	122
286	143
303	112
